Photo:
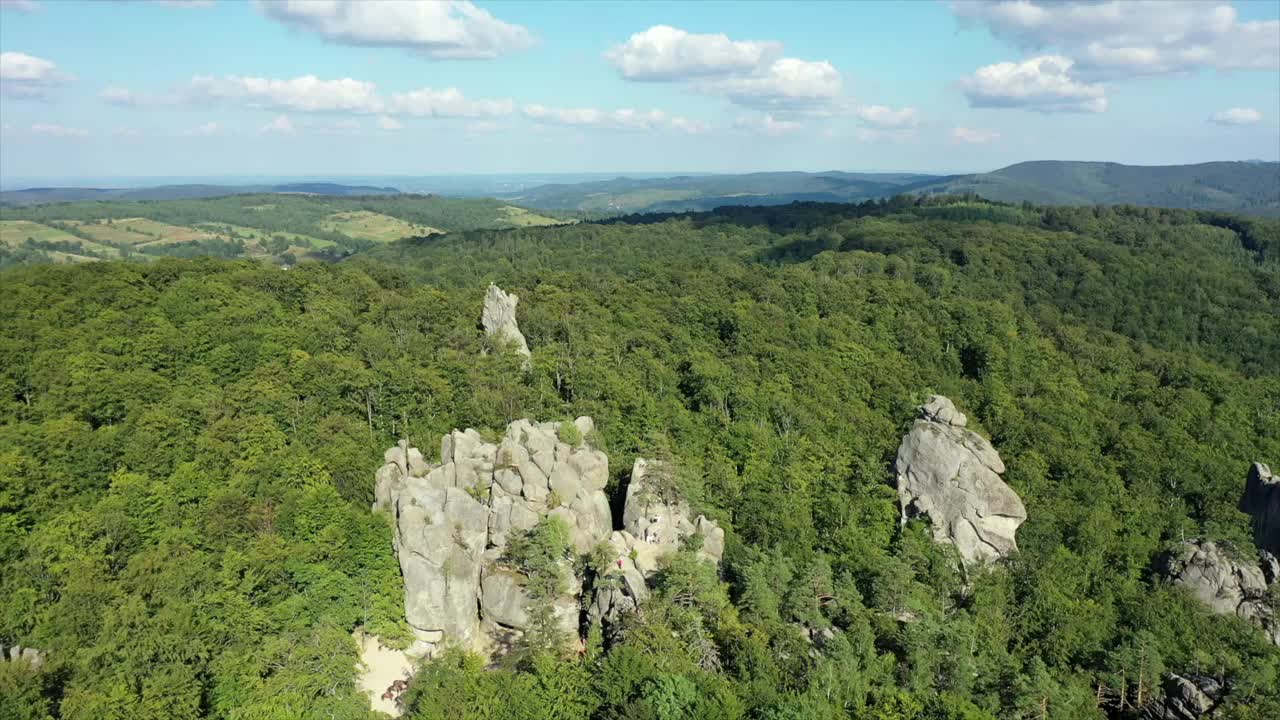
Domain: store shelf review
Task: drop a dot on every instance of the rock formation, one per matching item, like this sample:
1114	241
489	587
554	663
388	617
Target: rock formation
1262	500
454	520
499	318
655	524
952	475
1185	698
18	653
1226	586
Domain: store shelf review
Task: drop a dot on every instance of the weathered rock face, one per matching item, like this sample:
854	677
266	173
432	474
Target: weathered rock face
655	524
1262	500
499	318
454	519
1185	698
1226	586
952	475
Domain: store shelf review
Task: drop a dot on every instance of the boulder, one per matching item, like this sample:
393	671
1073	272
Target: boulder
951	475
1185	698
1261	500
499	319
655	520
1226	586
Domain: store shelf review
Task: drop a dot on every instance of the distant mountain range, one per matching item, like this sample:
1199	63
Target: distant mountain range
1247	187
37	196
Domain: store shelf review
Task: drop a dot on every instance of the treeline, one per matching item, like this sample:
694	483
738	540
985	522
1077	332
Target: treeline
187	451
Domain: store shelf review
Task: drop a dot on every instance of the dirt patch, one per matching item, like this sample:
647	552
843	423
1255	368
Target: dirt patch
380	667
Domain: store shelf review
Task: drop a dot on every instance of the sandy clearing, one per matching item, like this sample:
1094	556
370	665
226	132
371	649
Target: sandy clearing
379	667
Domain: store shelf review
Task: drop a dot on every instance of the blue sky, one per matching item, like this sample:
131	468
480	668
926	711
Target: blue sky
223	87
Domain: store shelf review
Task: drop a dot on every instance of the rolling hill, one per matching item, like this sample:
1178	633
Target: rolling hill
41	195
1246	187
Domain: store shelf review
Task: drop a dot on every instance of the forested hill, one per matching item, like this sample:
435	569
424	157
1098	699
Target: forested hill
1247	187
188	447
1251	188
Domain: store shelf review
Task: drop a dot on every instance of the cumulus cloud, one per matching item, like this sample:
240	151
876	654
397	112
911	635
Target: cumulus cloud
974	136
768	125
665	53
1042	84
1127	38
55	130
621	119
1237	116
209	128
448	102
279	124
27	76
886	117
454	29
386	122
751	73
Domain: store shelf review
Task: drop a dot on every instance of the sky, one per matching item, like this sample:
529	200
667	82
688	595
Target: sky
119	88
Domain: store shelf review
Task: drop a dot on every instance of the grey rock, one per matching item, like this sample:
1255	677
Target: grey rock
453	519
952	476
1185	698
499	318
1227	587
1261	500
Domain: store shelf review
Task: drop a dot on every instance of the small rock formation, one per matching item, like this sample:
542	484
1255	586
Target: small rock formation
18	653
499	318
1261	499
1185	698
952	475
1227	587
453	521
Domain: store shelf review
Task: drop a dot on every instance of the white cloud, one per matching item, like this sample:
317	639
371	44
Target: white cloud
209	128
54	130
974	136
666	53
751	73
1042	84
448	102
310	94
768	125
303	94
20	5
437	28
1237	116
279	124
621	119
886	117
387	122
27	76
1126	38
125	132
787	84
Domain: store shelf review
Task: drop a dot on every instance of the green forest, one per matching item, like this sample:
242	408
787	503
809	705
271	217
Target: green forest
188	449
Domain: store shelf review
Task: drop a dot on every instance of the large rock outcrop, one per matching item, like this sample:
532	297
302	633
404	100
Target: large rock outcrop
1228	587
453	521
952	476
655	525
1261	500
499	318
1185	698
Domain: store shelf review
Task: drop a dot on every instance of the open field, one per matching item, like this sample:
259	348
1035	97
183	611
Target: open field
16	232
248	233
164	232
365	225
520	217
